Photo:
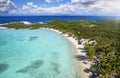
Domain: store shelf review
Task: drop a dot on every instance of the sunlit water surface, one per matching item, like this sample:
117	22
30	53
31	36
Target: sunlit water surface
38	53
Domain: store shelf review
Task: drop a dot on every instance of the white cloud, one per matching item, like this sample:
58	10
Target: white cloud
2	0
62	9
101	7
75	7
30	3
76	1
98	7
82	1
107	7
49	1
6	6
31	8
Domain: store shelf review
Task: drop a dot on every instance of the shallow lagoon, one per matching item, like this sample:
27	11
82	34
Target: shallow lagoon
38	53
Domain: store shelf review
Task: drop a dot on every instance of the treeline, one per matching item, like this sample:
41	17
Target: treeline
105	33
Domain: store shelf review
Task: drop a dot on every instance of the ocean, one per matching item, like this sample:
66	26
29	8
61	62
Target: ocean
40	53
45	19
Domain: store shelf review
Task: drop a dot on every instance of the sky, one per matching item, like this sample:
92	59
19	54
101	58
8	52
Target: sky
60	7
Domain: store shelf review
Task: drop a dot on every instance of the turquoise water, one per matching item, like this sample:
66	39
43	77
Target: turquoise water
38	53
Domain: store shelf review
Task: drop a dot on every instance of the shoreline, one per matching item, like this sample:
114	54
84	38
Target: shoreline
82	65
3	27
79	55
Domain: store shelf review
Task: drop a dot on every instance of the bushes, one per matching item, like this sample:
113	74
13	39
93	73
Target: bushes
105	33
90	51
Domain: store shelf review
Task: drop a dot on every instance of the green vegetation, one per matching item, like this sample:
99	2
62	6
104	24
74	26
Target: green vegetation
90	51
16	25
105	33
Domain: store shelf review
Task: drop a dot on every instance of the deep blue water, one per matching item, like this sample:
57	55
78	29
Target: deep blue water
34	19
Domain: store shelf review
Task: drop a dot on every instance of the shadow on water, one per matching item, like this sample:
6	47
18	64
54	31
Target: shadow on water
32	68
3	67
32	38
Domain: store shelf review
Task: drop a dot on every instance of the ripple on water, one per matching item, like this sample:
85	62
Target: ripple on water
33	38
3	67
31	69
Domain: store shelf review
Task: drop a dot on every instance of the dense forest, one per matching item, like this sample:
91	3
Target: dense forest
105	33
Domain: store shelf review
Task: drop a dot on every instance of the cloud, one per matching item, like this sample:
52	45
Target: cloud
78	1
6	6
98	7
31	8
101	7
105	7
2	0
75	7
49	1
61	9
84	1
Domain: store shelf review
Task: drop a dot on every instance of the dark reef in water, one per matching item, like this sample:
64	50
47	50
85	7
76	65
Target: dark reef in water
55	55
33	38
55	67
2	43
32	68
3	67
41	75
53	72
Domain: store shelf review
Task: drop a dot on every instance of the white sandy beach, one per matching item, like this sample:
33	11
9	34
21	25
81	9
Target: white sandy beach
3	27
79	55
80	58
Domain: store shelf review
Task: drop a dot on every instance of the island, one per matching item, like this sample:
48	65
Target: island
101	41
